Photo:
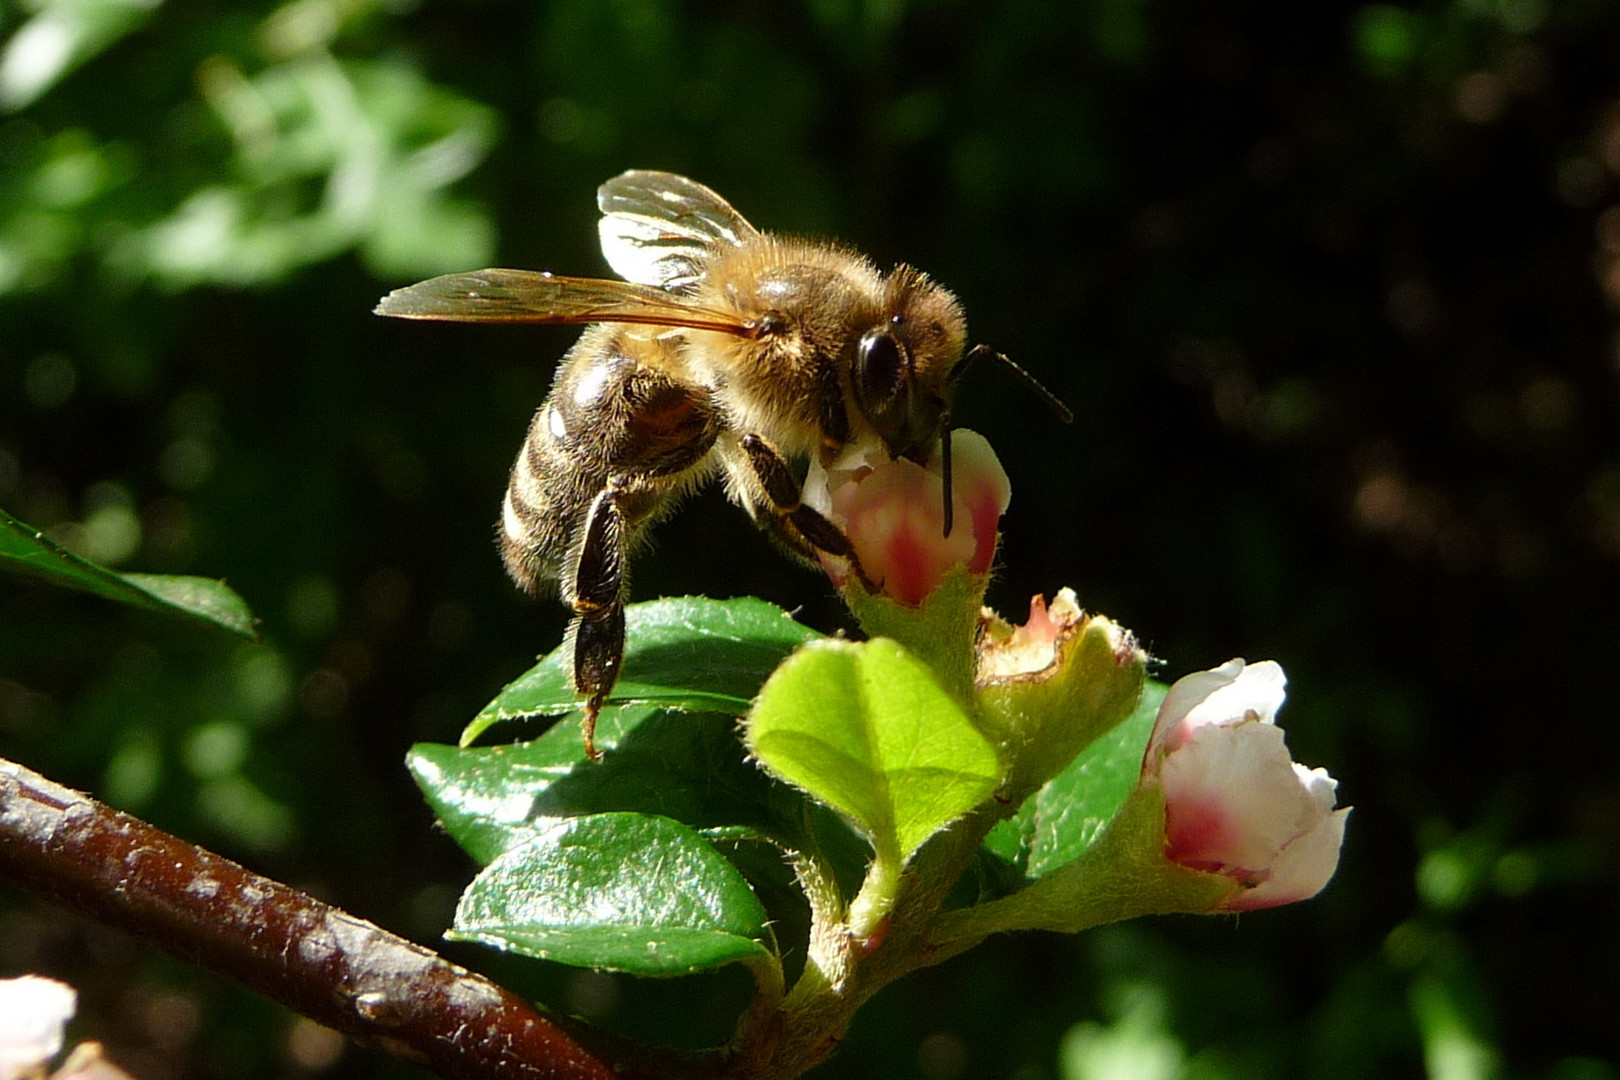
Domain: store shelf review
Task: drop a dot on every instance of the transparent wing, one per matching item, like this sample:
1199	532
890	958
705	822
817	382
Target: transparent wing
659	229
531	296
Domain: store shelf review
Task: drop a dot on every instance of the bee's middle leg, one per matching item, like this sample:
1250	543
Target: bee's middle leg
596	595
786	497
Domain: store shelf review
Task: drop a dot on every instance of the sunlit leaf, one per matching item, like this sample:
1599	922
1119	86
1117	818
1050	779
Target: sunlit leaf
689	653
687	766
866	729
626	892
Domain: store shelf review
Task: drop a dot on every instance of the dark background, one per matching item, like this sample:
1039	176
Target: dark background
1329	286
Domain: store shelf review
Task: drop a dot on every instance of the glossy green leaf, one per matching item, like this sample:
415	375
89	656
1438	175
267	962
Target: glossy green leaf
628	892
686	766
29	551
1064	818
866	729
687	653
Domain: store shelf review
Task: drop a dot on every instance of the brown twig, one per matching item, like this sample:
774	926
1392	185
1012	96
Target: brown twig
339	970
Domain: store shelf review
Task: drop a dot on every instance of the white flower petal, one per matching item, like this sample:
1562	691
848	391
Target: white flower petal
1323	788
1303	868
33	1012
1257	688
1229	694
1184	696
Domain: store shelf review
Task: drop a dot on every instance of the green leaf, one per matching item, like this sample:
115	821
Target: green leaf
866	729
941	632
29	551
1063	819
689	653
686	766
628	892
1122	874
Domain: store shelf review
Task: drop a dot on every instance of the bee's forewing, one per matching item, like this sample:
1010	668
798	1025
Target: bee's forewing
530	296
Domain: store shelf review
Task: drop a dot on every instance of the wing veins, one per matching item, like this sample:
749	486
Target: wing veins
529	296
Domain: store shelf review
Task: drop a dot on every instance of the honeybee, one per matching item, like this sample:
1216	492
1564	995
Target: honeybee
725	350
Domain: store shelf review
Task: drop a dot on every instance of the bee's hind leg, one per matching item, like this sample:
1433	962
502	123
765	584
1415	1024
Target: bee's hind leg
596	596
598	651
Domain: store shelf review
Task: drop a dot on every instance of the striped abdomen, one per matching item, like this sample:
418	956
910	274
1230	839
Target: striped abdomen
615	417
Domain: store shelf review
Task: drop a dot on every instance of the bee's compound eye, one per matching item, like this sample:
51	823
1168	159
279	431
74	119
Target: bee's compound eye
882	381
881	368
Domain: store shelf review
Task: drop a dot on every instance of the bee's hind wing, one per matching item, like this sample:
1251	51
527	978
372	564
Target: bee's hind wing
660	229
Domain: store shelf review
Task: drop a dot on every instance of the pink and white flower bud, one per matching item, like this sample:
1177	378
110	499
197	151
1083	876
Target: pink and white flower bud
893	512
1236	804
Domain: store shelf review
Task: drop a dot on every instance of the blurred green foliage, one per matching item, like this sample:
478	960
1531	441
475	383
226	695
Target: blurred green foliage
1330	286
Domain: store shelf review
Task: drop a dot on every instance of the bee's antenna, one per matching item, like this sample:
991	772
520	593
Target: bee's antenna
1051	400
987	353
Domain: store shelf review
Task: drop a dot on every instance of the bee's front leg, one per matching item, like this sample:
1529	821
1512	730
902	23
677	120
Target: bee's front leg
596	595
786	497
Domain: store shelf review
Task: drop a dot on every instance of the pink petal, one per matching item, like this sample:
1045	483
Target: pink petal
893	512
1232	799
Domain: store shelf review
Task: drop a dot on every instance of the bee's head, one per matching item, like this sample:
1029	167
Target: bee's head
903	363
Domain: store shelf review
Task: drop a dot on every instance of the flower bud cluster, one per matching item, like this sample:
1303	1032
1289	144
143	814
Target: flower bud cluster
1236	807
